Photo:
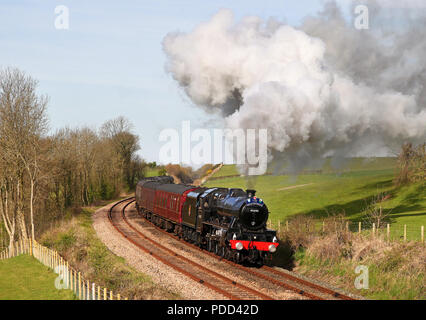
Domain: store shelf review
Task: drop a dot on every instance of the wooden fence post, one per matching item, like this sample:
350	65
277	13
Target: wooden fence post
79	286
422	233
286	225
68	276
111	297
359	227
347	226
279	226
323	226
405	232
83	284
99	293
88	290
374	229
71	279
105	294
388	231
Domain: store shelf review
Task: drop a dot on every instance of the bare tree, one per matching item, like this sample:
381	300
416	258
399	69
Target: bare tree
375	213
119	132
42	175
22	123
411	164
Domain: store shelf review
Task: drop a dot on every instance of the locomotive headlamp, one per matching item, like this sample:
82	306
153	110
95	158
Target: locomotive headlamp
272	248
239	246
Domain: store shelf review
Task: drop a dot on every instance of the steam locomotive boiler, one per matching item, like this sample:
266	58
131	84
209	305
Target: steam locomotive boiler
229	222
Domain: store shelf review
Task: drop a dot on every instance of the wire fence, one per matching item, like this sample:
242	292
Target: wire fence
68	277
390	232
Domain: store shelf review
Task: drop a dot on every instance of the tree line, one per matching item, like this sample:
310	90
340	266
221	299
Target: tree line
44	174
411	164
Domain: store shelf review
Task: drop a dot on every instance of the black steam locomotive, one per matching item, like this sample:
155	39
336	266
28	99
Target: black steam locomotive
228	222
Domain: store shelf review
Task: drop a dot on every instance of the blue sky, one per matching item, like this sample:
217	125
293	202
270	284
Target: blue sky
110	62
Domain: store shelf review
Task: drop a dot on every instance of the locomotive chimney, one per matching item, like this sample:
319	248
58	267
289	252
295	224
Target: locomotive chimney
250	193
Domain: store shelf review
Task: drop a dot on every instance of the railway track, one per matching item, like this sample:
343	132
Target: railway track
202	275
280	279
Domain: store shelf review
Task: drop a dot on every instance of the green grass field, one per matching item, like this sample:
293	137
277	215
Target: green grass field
152	172
349	189
24	278
353	164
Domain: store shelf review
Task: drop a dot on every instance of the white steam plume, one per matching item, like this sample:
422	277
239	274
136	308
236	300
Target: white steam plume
325	89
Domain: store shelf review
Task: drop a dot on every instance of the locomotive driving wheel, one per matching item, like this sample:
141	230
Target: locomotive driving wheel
209	245
216	247
222	252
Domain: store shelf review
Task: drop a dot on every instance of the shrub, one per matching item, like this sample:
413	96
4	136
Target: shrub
300	232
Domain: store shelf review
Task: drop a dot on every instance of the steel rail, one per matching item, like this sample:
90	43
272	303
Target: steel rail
309	284
174	266
303	282
239	285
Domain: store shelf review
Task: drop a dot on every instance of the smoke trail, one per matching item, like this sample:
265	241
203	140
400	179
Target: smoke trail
324	89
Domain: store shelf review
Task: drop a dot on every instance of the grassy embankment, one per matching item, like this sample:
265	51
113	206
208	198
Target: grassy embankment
350	191
76	240
24	278
396	269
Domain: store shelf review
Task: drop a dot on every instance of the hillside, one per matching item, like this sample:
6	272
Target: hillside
349	190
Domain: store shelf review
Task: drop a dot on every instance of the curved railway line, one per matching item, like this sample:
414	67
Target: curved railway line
213	280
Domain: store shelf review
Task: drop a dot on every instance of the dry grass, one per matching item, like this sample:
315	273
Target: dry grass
396	269
300	232
76	240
